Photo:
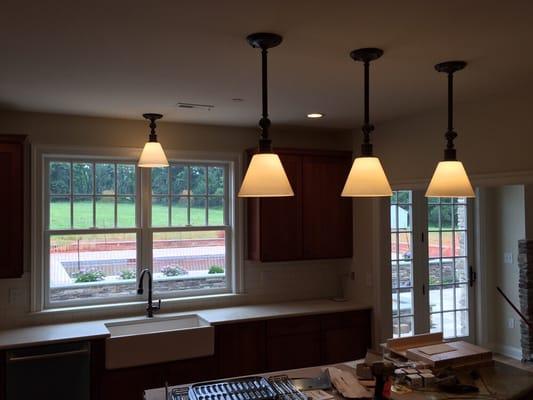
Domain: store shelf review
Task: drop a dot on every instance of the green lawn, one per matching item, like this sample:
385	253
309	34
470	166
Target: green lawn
105	215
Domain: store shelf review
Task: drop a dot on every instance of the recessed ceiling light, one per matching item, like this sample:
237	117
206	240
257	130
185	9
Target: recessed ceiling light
315	115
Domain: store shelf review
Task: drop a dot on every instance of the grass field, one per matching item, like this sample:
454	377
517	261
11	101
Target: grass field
105	215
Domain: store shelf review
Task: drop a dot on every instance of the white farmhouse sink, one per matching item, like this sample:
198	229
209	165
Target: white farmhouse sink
159	339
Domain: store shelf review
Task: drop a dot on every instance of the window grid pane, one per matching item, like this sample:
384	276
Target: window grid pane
448	266
402	263
195	195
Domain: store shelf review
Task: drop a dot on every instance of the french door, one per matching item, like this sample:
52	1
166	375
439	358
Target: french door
431	259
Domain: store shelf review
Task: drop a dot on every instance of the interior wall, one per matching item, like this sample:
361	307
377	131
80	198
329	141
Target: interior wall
505	226
262	282
494	138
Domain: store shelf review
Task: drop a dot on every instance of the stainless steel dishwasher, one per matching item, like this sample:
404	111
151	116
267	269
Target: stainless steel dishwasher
56	372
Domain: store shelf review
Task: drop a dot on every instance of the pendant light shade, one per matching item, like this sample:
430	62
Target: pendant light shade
152	155
450	178
265	176
367	177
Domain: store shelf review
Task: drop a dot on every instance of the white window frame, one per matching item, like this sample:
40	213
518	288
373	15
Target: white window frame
41	154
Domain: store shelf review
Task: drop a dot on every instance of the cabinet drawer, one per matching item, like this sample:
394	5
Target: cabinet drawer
293	326
346	320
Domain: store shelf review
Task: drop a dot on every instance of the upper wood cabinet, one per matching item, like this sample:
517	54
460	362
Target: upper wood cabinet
12	149
314	224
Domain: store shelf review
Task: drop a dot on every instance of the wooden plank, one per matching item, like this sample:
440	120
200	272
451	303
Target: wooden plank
463	353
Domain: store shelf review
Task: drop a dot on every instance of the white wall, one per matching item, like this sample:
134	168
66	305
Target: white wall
262	282
504	213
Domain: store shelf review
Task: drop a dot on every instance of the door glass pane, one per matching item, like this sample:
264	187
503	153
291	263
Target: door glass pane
401	210
448	266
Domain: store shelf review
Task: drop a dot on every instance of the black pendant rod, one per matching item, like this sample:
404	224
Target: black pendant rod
264	41
367	93
152	117
450	102
264	122
366	55
450	67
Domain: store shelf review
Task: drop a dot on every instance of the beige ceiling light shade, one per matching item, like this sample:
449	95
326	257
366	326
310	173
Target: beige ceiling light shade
450	178
153	155
265	176
367	177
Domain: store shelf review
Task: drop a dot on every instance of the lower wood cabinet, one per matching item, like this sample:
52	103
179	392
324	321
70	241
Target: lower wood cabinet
249	348
240	348
293	342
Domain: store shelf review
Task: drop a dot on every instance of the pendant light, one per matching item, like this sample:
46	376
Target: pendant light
152	155
450	178
366	178
265	176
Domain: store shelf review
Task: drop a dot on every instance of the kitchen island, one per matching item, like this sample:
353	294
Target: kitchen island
499	381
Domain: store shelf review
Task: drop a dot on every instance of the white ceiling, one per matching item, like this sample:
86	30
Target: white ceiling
120	58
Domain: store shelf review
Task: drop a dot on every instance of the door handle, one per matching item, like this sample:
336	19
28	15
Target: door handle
472	276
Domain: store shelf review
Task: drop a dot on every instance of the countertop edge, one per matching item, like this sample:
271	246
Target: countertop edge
37	335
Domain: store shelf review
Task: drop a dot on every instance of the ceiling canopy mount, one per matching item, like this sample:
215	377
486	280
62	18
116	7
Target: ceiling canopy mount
264	40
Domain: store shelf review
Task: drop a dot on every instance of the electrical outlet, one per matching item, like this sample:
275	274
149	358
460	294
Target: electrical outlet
510	323
508	258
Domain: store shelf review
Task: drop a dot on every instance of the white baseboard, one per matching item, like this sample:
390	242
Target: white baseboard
506	350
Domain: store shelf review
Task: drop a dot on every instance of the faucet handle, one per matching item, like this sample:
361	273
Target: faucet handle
158	307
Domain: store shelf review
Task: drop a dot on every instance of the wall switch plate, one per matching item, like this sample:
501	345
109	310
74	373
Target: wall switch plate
511	323
508	258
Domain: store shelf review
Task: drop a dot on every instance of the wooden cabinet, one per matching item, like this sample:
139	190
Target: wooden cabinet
314	224
240	348
345	336
326	217
293	343
12	149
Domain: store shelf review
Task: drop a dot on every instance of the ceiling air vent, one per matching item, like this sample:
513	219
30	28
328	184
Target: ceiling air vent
195	106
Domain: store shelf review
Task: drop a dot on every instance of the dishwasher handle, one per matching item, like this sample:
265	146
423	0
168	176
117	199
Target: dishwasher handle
16	359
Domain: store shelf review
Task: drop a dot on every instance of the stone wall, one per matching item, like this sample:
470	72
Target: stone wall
525	291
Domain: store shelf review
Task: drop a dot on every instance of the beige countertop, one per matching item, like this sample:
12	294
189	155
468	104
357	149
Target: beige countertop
47	334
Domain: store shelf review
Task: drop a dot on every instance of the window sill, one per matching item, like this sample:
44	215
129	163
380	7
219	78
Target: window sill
167	305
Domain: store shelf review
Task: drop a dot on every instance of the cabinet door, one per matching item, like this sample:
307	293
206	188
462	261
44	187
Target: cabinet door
130	383
275	223
11	205
193	370
240	348
293	343
345	336
327	217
